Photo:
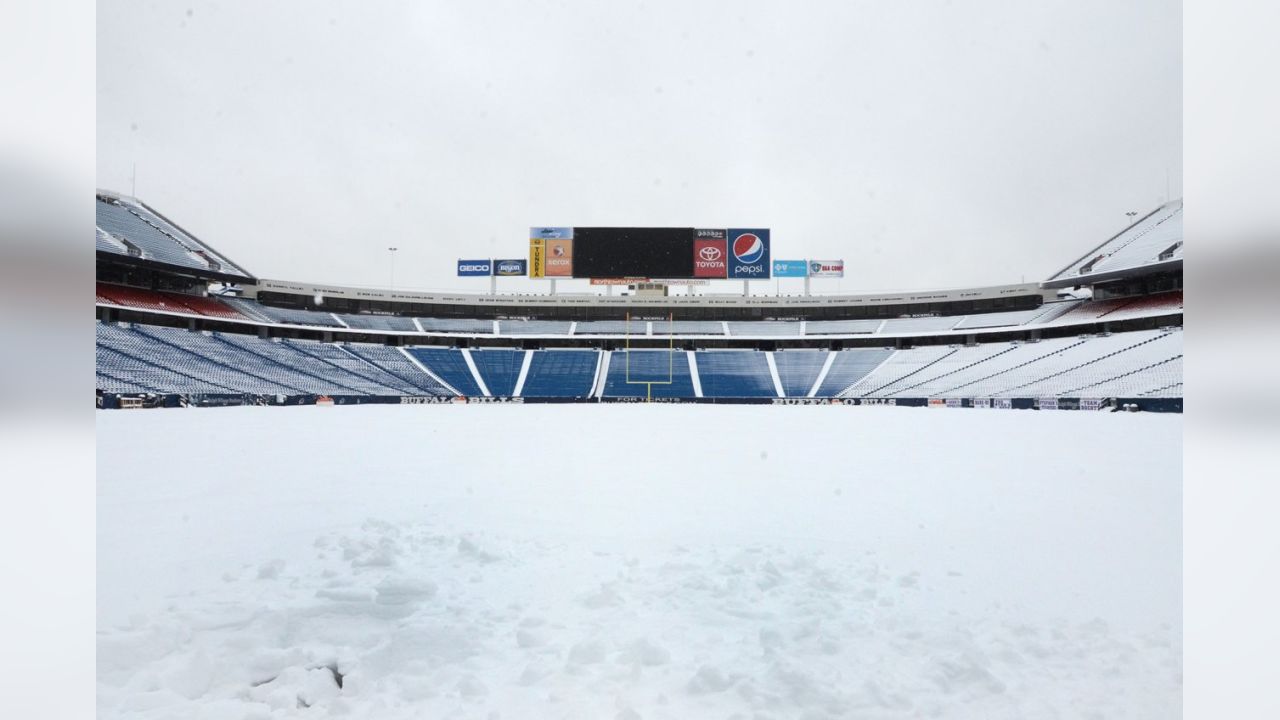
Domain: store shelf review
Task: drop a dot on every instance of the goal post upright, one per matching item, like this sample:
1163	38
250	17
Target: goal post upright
671	352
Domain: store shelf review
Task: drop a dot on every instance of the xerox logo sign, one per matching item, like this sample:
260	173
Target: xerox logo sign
709	256
750	253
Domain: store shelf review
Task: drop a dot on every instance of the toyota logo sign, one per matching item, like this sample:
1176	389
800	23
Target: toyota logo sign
709	253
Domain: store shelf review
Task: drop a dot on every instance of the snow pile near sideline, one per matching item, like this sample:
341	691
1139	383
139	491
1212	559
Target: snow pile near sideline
665	561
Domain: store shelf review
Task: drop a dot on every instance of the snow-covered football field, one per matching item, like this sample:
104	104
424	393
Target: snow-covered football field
638	561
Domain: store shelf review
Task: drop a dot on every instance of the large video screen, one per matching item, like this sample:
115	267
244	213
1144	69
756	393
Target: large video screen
602	252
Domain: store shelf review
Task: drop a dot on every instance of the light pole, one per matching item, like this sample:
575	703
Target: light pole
393	250
1131	215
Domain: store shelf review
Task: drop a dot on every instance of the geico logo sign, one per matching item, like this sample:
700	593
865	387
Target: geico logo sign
710	253
474	267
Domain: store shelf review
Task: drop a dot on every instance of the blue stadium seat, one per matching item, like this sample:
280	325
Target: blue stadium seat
669	370
735	374
449	365
499	368
851	366
561	373
798	370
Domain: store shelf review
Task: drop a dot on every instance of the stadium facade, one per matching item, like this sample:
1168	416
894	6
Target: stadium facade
1103	332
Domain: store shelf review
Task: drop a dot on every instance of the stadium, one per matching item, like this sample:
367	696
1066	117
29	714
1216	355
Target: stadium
849	385
999	546
1103	332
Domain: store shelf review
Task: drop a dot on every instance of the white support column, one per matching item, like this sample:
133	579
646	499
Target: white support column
602	374
693	373
475	372
773	372
493	282
822	374
524	373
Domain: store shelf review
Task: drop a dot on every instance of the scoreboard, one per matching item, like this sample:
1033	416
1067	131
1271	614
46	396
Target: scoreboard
633	252
649	252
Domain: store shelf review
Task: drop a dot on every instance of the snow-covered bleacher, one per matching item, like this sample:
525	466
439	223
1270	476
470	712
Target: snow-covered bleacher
121	219
152	359
393	323
1057	313
1154	238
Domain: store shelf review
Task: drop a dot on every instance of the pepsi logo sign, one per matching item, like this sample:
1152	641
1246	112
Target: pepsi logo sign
748	248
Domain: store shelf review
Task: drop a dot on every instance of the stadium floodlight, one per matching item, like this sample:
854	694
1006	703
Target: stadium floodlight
392	284
1131	214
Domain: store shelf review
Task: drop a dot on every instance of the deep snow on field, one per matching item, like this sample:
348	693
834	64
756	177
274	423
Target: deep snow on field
638	561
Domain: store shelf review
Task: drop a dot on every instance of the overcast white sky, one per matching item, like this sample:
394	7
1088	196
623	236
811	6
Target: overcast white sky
929	144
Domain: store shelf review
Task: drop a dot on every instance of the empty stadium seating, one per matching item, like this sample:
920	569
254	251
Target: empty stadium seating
499	368
841	327
153	359
449	365
1140	244
798	370
164	301
287	316
393	323
533	327
156	238
735	374
633	373
764	328
850	366
561	374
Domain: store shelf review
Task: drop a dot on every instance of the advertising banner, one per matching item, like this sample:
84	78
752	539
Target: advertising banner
559	258
617	281
982	402
537	258
748	254
475	268
551	233
826	268
710	254
1003	403
790	268
511	267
